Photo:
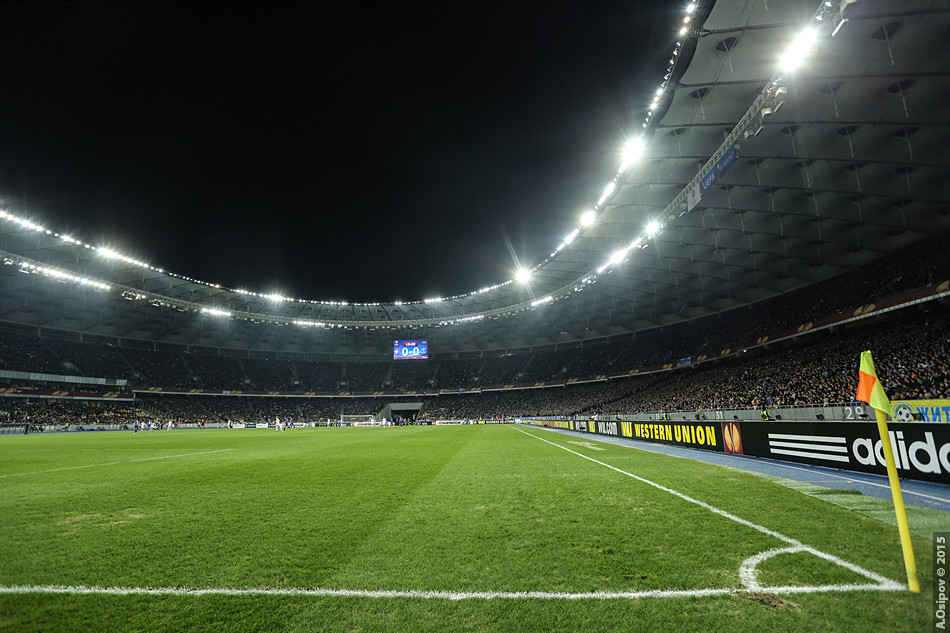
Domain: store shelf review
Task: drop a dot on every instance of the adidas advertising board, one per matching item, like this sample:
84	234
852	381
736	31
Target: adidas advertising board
921	451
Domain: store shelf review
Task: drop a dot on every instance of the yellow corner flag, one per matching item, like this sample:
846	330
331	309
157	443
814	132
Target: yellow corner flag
871	391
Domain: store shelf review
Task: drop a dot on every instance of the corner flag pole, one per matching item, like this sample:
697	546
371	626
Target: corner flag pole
871	391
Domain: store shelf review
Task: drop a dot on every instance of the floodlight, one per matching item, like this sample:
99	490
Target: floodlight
634	148
799	49
608	191
588	218
523	275
571	236
618	256
653	227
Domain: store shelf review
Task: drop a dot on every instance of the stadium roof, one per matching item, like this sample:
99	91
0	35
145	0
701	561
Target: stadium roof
789	142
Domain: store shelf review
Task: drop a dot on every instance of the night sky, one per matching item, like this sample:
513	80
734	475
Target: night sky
356	153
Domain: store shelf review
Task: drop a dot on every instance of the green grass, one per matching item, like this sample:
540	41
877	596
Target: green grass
478	509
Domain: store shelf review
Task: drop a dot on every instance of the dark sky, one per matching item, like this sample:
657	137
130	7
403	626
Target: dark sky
324	151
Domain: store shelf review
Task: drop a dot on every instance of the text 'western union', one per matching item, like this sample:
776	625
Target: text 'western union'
679	433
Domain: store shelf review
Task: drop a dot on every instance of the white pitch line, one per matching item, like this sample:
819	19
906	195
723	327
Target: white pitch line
885	583
428	595
131	461
747	573
642	445
748	570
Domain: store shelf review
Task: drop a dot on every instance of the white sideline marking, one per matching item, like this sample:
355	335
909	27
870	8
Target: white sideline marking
748	574
644	445
430	595
749	580
131	461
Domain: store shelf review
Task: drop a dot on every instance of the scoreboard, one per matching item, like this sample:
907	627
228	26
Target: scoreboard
415	348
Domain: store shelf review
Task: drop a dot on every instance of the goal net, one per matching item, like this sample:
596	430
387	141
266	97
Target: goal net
362	419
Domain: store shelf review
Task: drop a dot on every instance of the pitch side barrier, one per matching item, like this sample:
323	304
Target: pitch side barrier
921	449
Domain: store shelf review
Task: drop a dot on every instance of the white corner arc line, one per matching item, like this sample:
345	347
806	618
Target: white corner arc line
748	570
131	461
885	583
747	574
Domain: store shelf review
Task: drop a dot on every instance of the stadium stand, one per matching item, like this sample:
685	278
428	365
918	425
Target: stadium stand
911	346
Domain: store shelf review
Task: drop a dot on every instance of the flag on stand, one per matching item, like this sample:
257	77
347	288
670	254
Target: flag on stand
871	391
869	387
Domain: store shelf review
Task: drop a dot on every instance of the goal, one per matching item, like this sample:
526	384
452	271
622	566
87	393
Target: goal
358	419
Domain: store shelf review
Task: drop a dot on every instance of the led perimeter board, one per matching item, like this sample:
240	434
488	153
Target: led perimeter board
417	349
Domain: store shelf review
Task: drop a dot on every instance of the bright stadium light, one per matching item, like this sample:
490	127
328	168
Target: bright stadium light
523	275
608	191
588	218
653	228
571	236
799	50
618	256
633	150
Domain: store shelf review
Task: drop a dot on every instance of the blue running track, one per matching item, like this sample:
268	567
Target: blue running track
919	493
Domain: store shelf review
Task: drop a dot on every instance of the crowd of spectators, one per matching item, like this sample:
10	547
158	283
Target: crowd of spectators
911	347
74	413
912	352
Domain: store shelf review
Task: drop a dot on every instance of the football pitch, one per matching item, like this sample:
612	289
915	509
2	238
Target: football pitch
470	528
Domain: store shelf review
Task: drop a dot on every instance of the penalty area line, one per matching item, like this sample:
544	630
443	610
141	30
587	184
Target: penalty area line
428	595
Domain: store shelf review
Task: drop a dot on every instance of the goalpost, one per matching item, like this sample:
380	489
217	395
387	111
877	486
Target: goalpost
358	419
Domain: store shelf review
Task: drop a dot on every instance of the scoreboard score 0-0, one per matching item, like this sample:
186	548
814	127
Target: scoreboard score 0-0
414	349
